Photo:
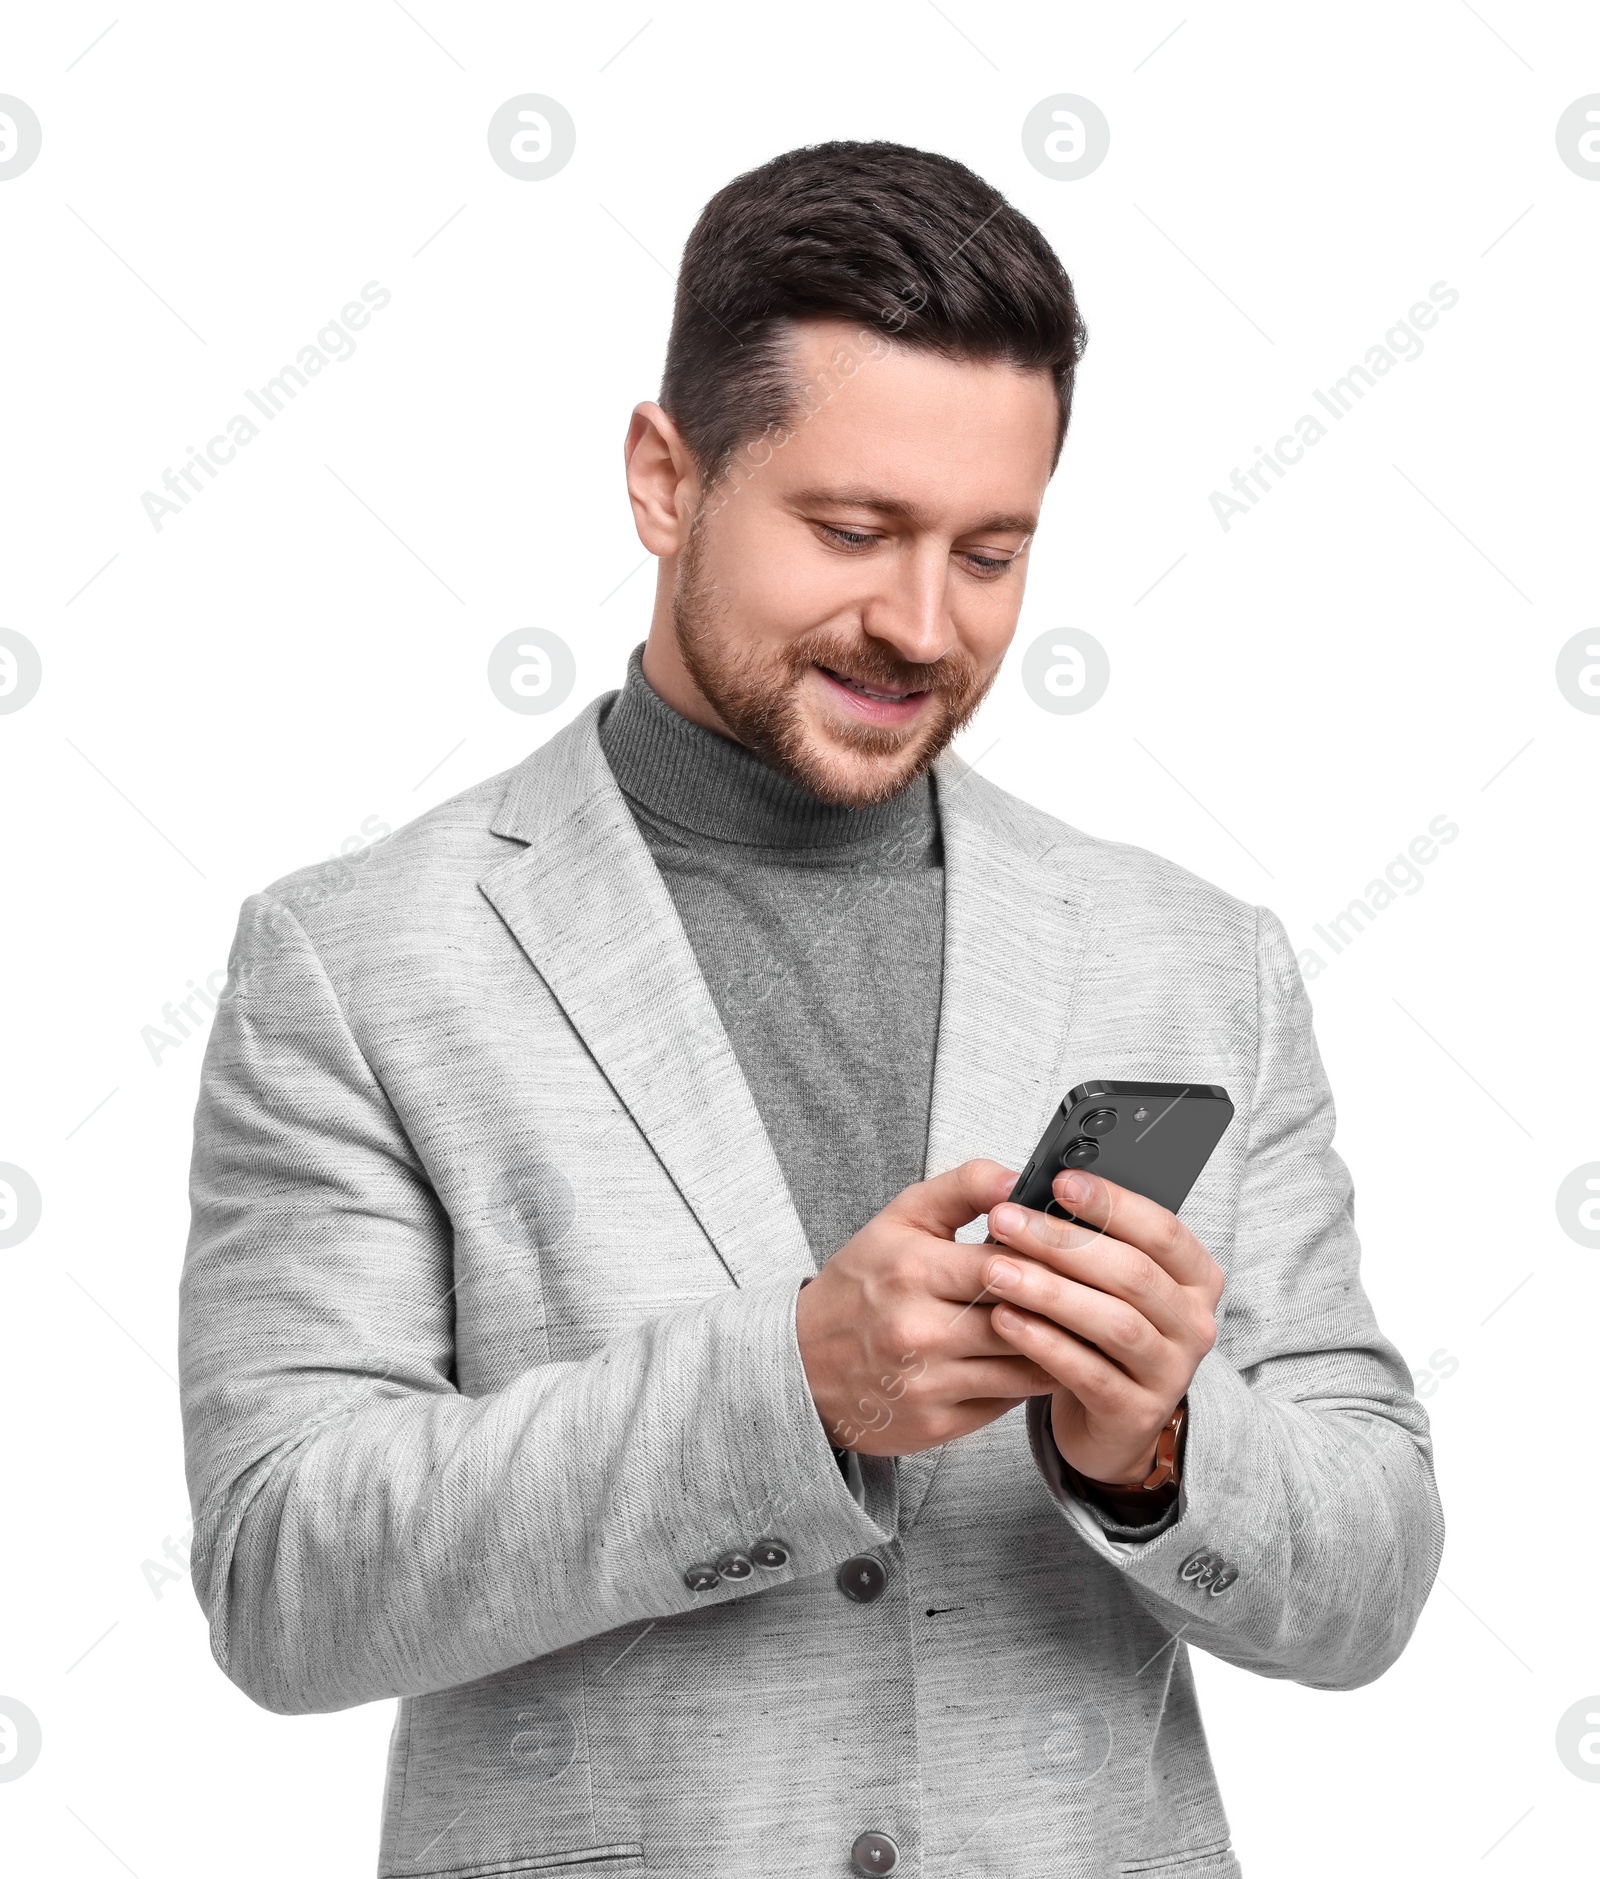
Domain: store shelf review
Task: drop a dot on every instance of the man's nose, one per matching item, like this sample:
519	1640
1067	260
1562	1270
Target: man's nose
911	612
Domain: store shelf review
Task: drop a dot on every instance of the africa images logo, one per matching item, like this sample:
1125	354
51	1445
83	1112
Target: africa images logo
333	344
1401	344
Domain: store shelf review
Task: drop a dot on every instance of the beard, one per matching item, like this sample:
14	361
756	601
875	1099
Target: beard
758	696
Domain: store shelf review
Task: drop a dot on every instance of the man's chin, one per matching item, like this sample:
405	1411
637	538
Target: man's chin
854	769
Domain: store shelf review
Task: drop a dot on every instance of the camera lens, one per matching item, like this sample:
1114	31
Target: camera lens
1099	1122
1080	1152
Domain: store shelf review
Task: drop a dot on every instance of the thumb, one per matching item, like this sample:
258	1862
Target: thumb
948	1201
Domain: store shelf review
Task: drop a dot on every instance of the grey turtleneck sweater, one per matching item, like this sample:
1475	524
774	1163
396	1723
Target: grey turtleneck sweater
820	933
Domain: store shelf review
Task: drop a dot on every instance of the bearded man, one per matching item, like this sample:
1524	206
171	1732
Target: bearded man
604	1327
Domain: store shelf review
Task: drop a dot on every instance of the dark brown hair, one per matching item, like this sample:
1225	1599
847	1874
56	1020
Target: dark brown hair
912	245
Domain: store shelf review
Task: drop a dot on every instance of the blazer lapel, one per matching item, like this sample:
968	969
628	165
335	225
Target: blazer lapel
1016	913
587	905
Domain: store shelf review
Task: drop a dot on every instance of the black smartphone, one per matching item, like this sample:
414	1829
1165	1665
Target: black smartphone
1151	1137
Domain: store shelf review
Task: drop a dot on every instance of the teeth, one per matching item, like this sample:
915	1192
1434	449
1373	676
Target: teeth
867	692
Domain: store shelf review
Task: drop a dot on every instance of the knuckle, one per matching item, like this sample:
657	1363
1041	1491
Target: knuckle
901	1270
1106	1391
1060	1236
913	1389
895	1348
1132	1272
1127	1326
1169	1232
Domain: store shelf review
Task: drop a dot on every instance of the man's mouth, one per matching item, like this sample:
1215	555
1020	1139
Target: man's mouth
866	691
884	704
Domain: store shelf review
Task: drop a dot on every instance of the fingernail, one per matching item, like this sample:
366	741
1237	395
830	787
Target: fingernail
1002	1273
1076	1186
1007	1218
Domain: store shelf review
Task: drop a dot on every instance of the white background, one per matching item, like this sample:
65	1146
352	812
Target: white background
1371	647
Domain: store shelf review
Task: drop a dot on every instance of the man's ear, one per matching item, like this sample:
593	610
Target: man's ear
663	483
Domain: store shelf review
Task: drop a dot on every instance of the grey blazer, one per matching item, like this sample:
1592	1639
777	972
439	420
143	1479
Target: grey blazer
493	1403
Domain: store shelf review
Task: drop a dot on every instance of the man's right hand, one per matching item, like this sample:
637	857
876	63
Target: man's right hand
899	1355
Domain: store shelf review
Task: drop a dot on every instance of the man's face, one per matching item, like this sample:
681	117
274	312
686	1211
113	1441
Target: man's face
845	598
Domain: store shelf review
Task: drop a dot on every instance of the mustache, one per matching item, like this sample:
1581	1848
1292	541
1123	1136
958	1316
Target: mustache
953	675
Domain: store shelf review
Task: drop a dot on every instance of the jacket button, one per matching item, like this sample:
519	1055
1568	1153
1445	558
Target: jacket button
770	1553
735	1566
863	1578
701	1578
875	1852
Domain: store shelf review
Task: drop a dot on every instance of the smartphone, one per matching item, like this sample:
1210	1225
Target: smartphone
1153	1138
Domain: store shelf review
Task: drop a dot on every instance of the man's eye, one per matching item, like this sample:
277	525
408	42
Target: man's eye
847	537
989	564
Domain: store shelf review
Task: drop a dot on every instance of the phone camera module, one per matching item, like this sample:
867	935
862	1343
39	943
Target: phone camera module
1099	1122
1080	1152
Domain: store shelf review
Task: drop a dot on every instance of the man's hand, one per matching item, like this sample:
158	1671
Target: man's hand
1119	1318
898	1351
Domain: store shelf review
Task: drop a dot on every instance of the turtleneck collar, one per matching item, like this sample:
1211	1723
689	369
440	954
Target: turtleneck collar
698	780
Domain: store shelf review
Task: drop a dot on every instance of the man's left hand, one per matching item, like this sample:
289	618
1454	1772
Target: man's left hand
1119	1312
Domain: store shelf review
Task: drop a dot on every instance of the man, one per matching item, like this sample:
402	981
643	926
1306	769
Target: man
602	1326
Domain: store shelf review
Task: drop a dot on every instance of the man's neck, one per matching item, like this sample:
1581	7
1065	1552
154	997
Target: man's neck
670	679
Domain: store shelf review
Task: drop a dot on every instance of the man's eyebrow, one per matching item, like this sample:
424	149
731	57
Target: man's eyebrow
862	498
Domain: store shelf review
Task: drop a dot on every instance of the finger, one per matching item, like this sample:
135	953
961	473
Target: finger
962	1294
971	1336
1120	1331
1106	1392
1014	1376
947	1201
949	1370
1148	1305
1119	1213
957	1274
1109	1267
938	1358
943	1281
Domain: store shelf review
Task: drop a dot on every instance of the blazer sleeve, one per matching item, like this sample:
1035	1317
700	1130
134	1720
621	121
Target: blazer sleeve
362	1529
1308	1528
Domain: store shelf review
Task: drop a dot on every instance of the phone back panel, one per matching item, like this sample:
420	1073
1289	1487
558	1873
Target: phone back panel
1157	1143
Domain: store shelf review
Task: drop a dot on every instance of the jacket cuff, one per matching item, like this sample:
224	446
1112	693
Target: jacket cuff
1080	1502
762	1443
